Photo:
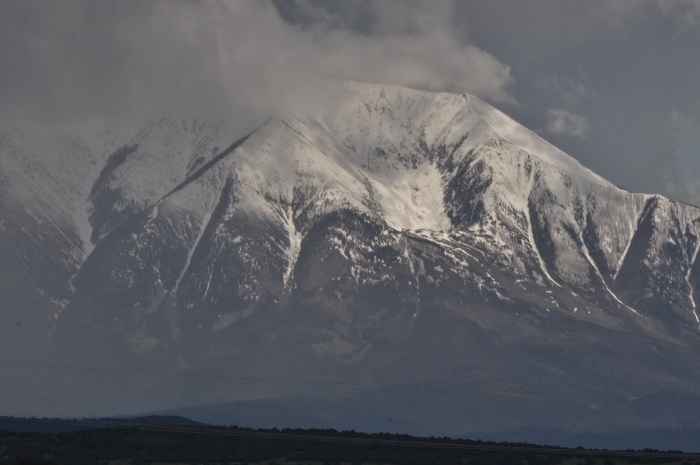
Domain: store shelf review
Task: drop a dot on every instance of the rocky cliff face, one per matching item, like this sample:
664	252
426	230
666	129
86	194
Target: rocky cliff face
397	237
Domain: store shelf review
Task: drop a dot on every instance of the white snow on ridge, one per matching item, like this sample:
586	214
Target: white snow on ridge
51	176
530	142
377	113
165	150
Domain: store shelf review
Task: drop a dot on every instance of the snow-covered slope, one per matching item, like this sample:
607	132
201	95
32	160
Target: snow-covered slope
150	165
43	209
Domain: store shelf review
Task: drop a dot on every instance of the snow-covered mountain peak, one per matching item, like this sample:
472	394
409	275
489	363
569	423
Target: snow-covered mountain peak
387	177
385	117
391	151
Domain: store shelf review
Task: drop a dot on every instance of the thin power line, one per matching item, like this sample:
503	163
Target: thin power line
345	383
282	435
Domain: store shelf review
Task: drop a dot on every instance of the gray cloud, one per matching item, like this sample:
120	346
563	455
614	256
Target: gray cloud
687	12
627	65
83	60
565	123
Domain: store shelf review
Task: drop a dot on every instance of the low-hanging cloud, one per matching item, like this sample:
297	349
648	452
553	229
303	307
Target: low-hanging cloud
566	123
85	60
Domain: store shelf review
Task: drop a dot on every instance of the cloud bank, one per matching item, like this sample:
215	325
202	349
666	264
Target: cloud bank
84	60
622	65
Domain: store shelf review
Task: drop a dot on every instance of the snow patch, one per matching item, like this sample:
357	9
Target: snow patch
602	280
295	238
413	199
633	231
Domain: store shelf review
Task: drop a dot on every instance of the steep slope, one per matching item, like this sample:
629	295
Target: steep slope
44	232
149	166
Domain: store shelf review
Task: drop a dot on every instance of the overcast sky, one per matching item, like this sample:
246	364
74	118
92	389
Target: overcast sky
614	83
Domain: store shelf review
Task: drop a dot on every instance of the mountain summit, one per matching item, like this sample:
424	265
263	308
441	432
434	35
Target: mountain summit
393	237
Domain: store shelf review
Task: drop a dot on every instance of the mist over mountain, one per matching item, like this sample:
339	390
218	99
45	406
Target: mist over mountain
392	254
